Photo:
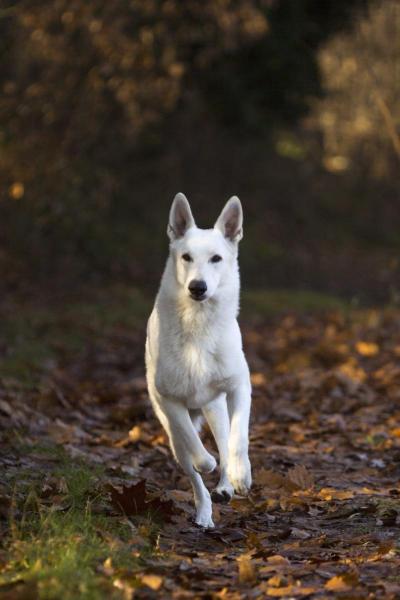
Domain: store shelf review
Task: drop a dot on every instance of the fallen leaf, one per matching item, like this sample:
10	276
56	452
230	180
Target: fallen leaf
334	494
275	581
107	568
270	478
124	586
367	348
152	581
342	583
277	559
135	434
301	477
273	480
134	500
258	379
290	591
247	572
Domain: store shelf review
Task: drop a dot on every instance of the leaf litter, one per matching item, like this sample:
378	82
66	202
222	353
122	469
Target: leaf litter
323	516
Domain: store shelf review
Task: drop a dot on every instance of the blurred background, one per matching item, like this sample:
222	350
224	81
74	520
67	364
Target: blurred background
107	109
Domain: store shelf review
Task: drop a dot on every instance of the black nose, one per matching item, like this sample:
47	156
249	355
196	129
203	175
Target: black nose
197	288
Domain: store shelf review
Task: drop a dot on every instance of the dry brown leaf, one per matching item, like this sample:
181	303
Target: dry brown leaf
342	583
367	348
333	494
247	571
180	495
124	586
277	559
290	590
275	581
353	371
258	379
135	434
152	581
301	477
270	478
107	568
135	500
254	539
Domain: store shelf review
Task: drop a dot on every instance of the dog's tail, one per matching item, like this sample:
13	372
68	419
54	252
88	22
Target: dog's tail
197	418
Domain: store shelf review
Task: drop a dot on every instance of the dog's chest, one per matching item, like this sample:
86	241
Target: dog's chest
193	371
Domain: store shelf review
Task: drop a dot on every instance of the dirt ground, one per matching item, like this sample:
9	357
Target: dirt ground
84	463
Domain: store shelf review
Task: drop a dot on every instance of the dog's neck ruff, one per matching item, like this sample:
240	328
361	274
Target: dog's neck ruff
198	319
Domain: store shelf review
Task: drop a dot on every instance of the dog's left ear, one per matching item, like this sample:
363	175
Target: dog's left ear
230	221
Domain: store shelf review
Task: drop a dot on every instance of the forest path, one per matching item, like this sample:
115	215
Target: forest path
85	471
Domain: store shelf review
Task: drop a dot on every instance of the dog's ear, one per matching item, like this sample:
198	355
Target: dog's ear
180	218
230	221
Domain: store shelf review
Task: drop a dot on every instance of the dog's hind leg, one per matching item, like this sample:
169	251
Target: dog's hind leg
216	414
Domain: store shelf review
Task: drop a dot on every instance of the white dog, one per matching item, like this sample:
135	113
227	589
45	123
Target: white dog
194	358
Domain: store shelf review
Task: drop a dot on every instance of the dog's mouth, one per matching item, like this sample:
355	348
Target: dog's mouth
198	297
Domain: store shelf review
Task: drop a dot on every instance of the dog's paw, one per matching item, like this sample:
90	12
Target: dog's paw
204	519
239	474
204	463
222	493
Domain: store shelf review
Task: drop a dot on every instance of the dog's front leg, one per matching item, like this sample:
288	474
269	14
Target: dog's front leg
182	430
202	498
239	468
191	455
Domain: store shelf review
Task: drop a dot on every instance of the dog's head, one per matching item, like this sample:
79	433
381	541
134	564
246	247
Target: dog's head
204	258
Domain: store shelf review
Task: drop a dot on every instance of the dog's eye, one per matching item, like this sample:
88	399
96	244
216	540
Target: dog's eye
216	258
187	257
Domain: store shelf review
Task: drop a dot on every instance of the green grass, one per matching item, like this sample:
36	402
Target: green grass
34	337
60	557
58	550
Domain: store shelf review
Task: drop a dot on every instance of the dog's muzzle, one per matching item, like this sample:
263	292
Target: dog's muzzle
197	289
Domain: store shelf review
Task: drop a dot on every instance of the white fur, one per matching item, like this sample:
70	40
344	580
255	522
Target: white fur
194	356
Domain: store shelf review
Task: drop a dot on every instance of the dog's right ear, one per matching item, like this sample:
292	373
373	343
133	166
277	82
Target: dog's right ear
180	218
